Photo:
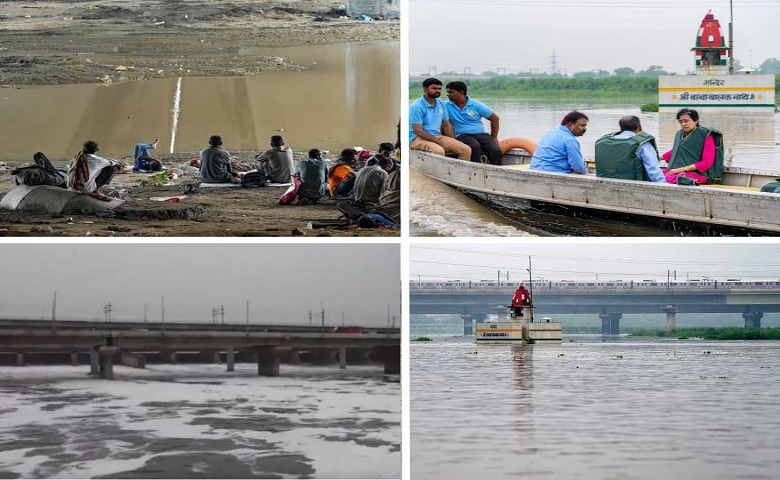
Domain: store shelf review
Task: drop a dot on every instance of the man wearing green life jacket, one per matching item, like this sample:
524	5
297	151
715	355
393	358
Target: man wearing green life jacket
697	154
630	154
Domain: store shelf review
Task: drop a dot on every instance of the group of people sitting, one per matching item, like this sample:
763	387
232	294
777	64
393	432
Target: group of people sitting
696	157
373	181
456	128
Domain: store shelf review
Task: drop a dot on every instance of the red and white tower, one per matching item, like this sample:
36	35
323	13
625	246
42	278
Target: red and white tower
711	54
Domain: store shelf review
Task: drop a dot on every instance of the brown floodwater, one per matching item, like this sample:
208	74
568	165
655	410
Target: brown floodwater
348	96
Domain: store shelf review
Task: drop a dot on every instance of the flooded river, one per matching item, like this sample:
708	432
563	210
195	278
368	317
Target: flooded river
347	96
628	409
752	140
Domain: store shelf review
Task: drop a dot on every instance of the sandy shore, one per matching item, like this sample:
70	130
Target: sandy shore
251	212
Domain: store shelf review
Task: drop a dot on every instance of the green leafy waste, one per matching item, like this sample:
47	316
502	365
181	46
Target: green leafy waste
157	180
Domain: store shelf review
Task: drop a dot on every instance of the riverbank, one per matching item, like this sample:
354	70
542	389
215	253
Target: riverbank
66	41
711	333
220	212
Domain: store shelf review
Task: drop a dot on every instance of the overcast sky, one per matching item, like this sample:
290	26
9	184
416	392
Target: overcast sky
520	35
554	260
281	282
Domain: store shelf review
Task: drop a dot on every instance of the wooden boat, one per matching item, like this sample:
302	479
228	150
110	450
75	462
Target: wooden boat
736	202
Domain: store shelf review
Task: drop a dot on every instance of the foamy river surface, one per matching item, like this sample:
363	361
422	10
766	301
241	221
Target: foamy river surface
587	409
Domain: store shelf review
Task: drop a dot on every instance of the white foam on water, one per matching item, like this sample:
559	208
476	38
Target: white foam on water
324	395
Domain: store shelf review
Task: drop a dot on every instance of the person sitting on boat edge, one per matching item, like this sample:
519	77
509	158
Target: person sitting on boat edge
341	176
630	154
142	161
428	118
697	154
89	172
215	163
466	116
276	163
558	150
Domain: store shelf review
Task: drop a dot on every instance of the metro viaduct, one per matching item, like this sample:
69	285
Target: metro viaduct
107	346
477	304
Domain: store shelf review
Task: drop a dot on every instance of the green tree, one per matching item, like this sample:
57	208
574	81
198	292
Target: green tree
770	65
625	72
652	71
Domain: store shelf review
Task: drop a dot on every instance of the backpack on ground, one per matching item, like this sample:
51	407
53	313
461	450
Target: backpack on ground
255	179
42	173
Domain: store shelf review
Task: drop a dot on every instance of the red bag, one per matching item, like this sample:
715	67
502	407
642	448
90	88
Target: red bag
292	192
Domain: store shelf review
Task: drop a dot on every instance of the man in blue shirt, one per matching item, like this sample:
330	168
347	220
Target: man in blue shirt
466	116
428	119
559	151
630	155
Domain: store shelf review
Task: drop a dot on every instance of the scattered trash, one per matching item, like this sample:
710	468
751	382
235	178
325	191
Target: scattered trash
309	226
42	229
162	179
159	23
561	355
365	18
618	357
173	199
120	68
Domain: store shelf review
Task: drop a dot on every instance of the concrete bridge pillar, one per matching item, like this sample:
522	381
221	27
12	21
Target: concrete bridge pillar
133	360
468	325
610	323
391	358
74	358
671	317
106	355
267	361
342	358
753	319
216	357
19	359
169	356
94	361
230	358
500	313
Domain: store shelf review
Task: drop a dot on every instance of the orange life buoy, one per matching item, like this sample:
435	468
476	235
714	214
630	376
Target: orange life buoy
518	142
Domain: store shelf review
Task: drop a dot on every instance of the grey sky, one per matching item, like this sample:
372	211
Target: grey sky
281	282
520	35
583	261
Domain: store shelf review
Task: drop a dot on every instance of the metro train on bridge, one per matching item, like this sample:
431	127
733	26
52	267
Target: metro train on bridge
705	284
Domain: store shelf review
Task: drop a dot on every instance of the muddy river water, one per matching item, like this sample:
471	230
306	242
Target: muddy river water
347	95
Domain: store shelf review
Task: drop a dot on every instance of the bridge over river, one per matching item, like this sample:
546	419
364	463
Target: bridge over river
475	304
130	343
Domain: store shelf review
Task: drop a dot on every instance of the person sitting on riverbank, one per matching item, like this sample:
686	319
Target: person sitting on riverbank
696	156
142	161
558	150
277	163
630	154
390	198
215	163
386	150
428	119
466	116
89	173
314	178
370	182
341	176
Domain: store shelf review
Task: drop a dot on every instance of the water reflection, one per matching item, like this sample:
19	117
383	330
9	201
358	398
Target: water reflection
348	96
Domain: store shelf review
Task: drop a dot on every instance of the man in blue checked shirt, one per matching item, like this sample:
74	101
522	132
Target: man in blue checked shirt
466	116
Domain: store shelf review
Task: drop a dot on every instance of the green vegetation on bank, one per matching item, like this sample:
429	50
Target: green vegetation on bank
709	333
638	89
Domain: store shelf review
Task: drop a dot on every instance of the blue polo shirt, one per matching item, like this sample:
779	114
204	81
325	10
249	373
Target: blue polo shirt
468	119
430	116
559	151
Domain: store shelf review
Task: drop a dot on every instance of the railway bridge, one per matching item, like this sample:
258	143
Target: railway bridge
129	343
476	304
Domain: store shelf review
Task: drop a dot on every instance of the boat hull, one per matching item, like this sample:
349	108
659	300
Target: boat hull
709	205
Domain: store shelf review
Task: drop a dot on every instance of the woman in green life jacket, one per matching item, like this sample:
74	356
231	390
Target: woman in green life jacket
697	153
